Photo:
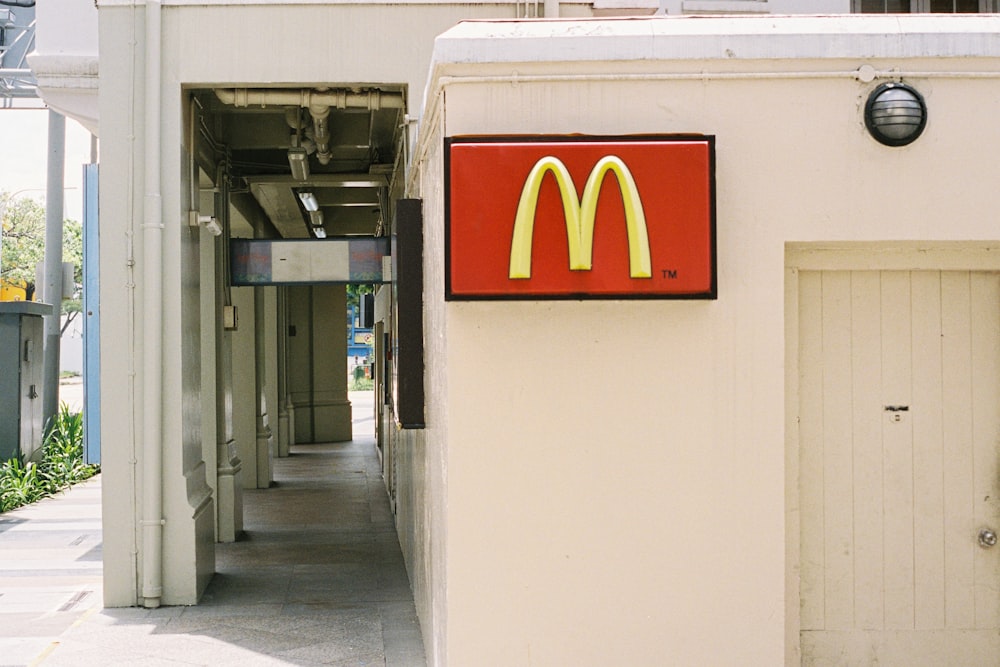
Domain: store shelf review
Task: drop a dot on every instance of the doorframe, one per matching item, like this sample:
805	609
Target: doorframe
845	256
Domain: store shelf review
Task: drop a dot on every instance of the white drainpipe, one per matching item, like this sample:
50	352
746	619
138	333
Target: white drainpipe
152	321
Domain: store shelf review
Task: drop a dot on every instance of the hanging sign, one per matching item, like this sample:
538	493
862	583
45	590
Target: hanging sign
570	217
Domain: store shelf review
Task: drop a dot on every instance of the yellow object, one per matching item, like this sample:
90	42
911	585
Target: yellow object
13	291
580	216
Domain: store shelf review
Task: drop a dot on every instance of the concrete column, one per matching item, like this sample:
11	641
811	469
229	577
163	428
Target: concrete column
263	439
229	467
289	404
244	413
333	409
209	349
283	433
52	287
318	363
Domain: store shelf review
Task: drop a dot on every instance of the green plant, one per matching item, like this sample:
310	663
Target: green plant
361	384
61	464
62	460
20	484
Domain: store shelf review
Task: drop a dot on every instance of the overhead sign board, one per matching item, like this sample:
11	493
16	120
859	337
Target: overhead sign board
574	217
309	262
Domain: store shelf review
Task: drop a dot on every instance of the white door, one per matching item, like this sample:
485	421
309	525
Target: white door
899	399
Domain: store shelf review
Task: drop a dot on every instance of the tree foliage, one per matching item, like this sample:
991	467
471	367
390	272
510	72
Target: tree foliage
353	292
23	246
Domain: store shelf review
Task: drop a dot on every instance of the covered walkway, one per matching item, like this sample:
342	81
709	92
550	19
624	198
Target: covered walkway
318	580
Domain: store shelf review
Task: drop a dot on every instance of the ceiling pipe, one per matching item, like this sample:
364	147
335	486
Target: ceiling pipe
321	132
318	102
338	98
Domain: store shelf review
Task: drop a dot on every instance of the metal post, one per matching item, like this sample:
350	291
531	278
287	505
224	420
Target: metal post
52	287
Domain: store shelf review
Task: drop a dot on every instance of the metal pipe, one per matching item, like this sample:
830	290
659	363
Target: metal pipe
339	98
152	324
321	132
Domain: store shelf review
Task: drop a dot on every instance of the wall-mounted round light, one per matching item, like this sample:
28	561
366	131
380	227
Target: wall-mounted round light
895	114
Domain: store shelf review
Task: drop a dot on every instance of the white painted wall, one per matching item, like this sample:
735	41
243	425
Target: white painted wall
65	58
596	519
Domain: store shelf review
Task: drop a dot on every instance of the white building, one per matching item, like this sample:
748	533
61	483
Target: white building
801	466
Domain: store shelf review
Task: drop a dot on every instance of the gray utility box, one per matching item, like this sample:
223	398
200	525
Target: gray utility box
21	339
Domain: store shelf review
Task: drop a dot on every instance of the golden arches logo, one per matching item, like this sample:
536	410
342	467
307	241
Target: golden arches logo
580	216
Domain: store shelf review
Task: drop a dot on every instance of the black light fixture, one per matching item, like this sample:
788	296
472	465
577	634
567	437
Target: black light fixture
895	114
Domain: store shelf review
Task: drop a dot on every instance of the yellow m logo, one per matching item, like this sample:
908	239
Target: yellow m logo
580	216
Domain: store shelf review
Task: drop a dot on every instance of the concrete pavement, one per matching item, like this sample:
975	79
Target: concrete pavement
50	571
318	579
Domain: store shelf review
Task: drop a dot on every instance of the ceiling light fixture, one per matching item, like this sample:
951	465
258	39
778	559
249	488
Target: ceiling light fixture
309	201
298	160
319	232
316	218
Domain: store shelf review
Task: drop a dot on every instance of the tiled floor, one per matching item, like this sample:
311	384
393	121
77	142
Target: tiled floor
318	580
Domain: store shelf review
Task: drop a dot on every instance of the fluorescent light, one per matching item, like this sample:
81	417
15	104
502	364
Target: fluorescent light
298	160
319	232
309	201
316	218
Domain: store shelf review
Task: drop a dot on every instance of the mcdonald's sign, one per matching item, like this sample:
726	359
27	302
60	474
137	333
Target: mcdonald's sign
573	217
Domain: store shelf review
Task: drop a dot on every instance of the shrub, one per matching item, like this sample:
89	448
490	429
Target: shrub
361	384
61	464
20	484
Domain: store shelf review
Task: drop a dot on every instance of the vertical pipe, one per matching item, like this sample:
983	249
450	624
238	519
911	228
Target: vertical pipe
53	281
152	325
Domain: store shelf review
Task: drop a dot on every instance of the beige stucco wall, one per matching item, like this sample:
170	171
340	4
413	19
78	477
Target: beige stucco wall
604	509
565	505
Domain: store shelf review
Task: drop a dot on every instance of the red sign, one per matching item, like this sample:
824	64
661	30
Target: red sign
565	217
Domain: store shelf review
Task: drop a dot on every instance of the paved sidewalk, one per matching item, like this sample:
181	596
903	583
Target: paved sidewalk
50	571
318	579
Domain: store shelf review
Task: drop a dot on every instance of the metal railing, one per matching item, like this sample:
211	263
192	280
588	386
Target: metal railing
18	87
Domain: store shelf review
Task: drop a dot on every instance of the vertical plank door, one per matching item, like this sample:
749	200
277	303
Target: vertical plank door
899	433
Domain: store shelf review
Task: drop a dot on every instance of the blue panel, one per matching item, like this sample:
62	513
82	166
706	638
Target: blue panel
92	320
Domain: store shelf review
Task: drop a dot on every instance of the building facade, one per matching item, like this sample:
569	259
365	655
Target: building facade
782	468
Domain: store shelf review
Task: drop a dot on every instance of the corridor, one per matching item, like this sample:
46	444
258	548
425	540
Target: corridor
320	560
318	579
